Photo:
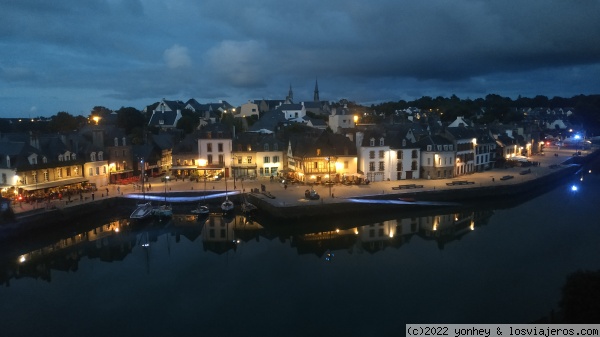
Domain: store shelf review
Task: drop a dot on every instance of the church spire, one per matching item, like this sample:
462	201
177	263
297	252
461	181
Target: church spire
316	96
290	96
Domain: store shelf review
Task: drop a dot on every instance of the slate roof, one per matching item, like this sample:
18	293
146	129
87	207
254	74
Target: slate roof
330	144
433	140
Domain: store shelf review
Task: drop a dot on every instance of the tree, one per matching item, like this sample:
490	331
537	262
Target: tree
63	122
130	118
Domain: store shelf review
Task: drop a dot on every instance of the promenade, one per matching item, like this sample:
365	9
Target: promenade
294	193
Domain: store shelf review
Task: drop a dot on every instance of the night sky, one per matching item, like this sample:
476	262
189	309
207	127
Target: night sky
73	55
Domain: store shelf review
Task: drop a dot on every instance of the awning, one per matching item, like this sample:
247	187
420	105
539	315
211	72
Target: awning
63	182
184	167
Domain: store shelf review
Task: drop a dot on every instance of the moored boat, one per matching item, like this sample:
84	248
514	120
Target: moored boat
201	210
143	211
227	206
163	211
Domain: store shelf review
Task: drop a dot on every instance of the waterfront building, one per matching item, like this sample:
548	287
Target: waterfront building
437	157
215	150
185	157
257	154
485	150
321	156
464	140
39	165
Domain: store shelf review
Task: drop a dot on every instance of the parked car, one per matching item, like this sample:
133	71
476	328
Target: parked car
311	195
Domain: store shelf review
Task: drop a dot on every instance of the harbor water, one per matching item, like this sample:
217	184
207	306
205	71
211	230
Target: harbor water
238	276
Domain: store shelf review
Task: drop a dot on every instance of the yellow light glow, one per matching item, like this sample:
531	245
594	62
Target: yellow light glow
202	162
22	259
435	226
391	234
339	166
355	119
117	229
96	119
313	177
337	230
474	141
356	231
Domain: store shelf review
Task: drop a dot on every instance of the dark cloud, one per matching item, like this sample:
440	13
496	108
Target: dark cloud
133	53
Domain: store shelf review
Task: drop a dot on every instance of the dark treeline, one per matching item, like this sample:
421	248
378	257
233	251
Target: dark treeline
498	108
492	108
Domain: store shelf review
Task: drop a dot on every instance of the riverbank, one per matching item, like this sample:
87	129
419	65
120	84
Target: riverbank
287	203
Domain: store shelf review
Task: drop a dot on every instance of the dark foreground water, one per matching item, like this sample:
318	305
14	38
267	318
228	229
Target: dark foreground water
185	278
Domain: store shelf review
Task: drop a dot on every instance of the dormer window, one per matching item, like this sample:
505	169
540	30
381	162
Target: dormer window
428	147
372	142
161	121
266	147
124	141
93	156
60	157
44	160
381	141
73	156
7	161
116	141
403	142
275	147
318	152
100	155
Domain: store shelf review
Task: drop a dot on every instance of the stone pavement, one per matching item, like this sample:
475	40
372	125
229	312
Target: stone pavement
294	194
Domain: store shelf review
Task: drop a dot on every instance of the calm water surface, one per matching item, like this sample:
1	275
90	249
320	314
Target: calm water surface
187	278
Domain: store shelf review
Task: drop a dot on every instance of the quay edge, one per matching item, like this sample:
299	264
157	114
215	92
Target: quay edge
499	193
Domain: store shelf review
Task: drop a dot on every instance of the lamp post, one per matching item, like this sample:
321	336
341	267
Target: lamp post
329	174
166	179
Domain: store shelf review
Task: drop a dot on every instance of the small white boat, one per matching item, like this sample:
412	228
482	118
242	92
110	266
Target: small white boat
163	211
201	209
142	211
227	206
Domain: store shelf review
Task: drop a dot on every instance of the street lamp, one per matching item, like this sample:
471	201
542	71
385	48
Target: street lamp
166	179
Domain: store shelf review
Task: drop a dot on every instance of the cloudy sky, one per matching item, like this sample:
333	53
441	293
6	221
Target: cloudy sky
72	55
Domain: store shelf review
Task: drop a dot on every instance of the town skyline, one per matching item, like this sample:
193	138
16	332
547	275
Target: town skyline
128	53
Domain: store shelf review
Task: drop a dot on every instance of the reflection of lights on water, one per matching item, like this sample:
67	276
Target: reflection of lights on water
117	229
574	188
329	256
145	245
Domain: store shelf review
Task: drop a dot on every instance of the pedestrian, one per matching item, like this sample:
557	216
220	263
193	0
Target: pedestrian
118	189
493	179
285	186
92	195
107	191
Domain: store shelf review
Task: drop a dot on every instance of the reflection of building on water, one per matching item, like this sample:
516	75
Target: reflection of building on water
221	233
321	242
450	227
114	240
101	242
